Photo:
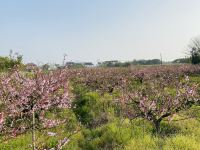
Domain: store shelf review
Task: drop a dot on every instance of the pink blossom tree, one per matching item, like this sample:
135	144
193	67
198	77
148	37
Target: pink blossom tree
157	98
24	97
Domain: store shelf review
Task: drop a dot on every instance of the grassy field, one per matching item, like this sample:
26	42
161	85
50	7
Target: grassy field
179	134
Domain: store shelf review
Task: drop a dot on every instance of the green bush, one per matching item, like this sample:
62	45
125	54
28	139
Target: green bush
108	137
92	109
7	63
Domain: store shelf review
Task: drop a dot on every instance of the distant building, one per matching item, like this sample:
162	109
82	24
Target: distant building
30	66
88	64
69	64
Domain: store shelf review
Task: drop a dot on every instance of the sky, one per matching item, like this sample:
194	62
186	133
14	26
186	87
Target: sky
97	30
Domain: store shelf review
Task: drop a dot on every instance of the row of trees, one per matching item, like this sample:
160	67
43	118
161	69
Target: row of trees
151	93
116	63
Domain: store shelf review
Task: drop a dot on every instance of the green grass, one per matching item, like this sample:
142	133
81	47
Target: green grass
119	134
187	138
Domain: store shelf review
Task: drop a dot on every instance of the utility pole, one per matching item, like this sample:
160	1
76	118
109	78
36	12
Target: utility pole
161	59
64	59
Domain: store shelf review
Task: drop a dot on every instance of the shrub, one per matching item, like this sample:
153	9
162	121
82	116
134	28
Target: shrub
93	110
109	136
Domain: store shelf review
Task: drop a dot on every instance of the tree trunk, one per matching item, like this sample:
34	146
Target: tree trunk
157	126
33	130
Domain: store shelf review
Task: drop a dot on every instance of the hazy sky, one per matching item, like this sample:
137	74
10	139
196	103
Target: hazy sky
91	30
